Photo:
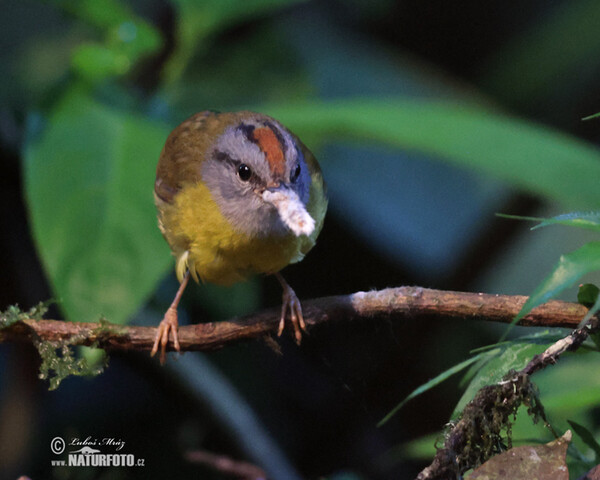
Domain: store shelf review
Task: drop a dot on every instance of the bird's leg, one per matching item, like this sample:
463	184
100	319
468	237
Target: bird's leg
169	323
291	302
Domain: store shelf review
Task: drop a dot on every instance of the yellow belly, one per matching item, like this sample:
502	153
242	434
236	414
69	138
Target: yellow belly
204	241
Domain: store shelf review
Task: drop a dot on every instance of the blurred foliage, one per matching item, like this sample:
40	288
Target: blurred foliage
99	244
529	156
538	64
566	393
96	116
492	364
87	180
198	20
126	38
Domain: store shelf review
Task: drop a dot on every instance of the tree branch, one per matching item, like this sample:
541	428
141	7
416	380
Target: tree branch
401	303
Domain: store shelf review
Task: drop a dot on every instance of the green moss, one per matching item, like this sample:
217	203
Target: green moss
59	361
485	424
107	328
58	358
14	314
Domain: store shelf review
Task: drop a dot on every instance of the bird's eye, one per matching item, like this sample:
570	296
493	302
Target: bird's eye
295	173
244	172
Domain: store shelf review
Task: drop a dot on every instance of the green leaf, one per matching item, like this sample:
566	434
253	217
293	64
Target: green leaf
89	181
570	268
432	383
96	62
531	157
513	355
591	117
127	38
587	294
586	436
587	220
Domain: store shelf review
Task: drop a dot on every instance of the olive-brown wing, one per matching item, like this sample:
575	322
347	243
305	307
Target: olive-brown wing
181	158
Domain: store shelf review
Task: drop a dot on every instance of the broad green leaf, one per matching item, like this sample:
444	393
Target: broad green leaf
570	267
477	366
89	180
531	157
587	220
432	383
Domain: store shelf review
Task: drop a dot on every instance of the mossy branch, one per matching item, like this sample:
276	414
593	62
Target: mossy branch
476	436
403	303
484	417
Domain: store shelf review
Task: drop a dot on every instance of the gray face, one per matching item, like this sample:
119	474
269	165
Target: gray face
248	158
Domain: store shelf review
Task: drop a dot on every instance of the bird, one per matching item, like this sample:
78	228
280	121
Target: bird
237	194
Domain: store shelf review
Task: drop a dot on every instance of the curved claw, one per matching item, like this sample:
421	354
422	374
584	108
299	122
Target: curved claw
168	324
292	303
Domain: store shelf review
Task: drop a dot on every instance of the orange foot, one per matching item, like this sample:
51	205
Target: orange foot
168	324
291	303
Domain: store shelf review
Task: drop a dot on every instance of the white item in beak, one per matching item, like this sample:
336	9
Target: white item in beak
291	210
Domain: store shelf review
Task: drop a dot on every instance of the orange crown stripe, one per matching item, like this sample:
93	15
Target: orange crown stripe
268	143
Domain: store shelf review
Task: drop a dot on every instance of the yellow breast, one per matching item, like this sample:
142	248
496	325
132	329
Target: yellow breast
206	243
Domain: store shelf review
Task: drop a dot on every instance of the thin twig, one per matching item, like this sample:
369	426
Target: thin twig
403	303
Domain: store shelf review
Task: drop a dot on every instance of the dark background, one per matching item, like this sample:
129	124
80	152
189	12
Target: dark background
318	404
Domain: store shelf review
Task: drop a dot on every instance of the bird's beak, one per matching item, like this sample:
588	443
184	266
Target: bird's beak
290	208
